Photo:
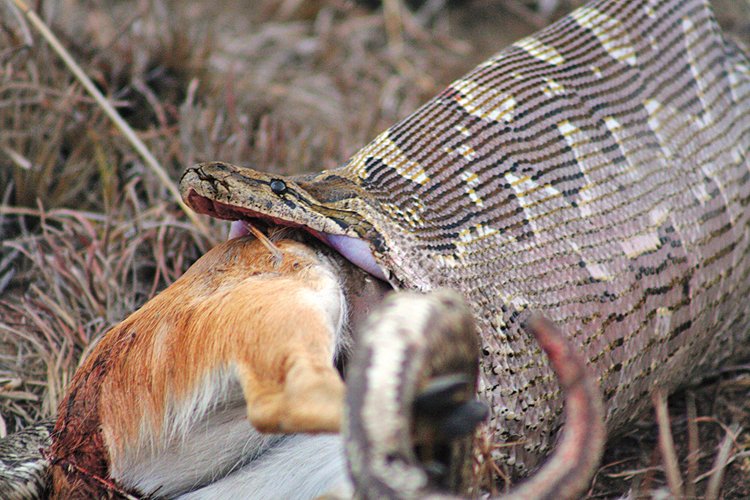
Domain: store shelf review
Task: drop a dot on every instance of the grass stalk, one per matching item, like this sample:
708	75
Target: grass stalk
111	112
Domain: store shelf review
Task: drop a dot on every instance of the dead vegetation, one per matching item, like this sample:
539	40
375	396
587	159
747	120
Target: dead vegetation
88	233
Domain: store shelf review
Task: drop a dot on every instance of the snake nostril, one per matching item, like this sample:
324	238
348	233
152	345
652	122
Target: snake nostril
278	186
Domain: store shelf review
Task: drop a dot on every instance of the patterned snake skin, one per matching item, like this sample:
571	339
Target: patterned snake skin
596	173
23	468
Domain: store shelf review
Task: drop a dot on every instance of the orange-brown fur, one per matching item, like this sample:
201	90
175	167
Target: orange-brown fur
273	320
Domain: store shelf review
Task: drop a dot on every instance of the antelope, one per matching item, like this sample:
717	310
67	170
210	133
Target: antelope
180	393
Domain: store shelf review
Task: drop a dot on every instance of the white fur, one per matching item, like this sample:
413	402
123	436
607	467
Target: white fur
332	301
220	455
297	467
207	437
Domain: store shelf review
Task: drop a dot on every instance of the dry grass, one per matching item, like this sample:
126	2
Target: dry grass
88	233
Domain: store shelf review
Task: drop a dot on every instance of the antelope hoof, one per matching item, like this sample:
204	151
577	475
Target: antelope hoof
447	405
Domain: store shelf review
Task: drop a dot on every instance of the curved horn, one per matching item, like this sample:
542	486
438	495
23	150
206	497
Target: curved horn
410	394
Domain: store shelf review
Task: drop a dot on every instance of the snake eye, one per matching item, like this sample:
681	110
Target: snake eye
278	186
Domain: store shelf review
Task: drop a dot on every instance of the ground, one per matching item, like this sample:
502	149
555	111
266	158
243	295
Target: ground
88	232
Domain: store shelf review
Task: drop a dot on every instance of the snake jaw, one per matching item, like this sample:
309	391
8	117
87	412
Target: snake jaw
356	251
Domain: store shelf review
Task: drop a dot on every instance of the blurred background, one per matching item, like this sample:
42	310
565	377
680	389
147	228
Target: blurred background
88	233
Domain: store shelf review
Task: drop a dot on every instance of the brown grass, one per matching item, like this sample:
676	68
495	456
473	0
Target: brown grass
87	233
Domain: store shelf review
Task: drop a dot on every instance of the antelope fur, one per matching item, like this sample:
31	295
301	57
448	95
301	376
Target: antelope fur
238	337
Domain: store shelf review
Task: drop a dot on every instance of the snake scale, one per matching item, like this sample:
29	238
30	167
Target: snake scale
596	173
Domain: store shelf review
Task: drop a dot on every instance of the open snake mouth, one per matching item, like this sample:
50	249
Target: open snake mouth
355	250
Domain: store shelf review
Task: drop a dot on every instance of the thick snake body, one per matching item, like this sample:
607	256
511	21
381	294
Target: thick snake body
596	173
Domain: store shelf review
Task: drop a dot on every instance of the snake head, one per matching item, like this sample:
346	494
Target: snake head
327	206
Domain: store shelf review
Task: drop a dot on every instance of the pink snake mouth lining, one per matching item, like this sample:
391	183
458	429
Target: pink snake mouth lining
355	250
